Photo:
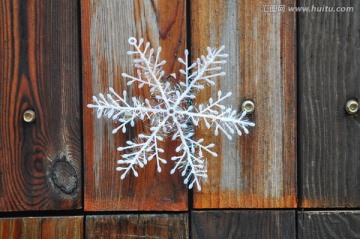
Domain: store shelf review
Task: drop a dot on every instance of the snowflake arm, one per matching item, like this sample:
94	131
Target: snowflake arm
148	68
139	152
223	118
115	107
207	70
193	165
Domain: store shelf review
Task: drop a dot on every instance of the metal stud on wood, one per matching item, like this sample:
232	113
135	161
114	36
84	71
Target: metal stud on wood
352	107
248	106
29	116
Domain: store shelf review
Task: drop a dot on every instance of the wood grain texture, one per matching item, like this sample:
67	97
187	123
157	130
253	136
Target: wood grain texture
39	54
137	226
257	170
42	227
106	27
329	76
243	224
329	224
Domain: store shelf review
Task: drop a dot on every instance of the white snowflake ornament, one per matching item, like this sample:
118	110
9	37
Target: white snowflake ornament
170	113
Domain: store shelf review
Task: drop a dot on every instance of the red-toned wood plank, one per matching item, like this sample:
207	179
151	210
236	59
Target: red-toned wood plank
39	54
257	170
138	226
41	227
106	27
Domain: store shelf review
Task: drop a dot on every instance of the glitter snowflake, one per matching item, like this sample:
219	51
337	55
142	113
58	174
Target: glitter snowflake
170	113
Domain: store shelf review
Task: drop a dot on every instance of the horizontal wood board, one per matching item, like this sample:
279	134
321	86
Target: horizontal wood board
243	224
138	226
42	227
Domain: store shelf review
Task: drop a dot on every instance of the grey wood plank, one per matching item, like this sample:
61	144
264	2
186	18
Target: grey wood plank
329	76
329	224
243	224
137	226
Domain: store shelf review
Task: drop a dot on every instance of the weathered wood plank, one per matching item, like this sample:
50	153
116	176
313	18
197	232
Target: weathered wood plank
41	227
138	226
39	70
106	26
329	60
257	170
243	224
329	224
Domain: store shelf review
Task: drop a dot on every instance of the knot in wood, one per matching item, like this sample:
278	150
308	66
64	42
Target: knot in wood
64	176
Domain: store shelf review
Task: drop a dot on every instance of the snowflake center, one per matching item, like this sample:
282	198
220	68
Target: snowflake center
171	111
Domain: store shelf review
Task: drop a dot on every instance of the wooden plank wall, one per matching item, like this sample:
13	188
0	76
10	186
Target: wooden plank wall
329	76
40	162
257	170
42	227
104	46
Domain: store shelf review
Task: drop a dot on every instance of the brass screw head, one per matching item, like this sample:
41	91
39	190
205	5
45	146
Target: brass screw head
29	116
352	107
248	106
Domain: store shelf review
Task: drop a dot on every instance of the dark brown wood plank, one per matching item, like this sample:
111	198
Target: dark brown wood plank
106	27
39	54
329	70
41	227
256	170
329	224
243	224
138	226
